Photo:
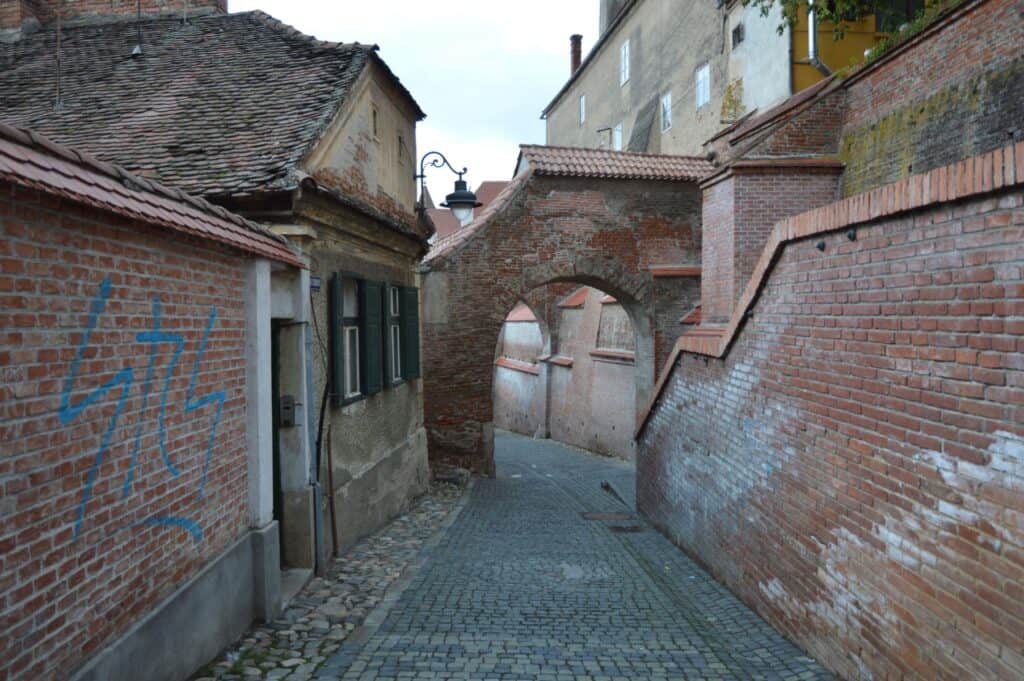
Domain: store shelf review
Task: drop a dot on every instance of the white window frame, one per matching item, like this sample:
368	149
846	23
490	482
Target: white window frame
624	63
394	300
666	111
617	137
703	85
583	109
352	359
395	338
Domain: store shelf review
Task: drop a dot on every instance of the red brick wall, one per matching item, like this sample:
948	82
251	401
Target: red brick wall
716	282
954	92
45	10
739	212
75	576
854	467
603	233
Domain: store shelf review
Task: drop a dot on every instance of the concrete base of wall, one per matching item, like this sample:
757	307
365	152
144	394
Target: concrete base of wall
212	610
367	502
297	530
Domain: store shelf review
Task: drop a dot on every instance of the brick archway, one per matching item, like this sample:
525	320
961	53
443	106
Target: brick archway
555	223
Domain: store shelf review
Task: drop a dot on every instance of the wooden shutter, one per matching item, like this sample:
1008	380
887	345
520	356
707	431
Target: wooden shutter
410	333
371	323
336	359
389	377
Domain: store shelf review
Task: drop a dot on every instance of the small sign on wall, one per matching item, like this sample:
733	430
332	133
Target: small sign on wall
314	283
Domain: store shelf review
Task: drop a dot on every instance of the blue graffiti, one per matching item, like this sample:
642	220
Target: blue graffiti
124	378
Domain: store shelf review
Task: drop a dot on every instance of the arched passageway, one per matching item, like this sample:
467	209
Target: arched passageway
565	369
627	224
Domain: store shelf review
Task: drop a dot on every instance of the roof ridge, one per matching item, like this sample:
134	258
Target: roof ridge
290	31
30	138
623	152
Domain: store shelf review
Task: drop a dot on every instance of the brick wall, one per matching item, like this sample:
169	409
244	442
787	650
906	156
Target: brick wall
109	500
854	466
603	233
740	208
954	92
14	12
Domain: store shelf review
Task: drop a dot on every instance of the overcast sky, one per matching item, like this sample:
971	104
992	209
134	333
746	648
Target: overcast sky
482	71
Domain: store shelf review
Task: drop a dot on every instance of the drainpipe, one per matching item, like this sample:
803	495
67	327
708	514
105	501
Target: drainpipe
812	41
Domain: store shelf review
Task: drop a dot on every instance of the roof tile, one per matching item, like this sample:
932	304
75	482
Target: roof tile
603	163
31	160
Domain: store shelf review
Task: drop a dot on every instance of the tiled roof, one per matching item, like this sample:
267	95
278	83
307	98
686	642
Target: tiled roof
578	162
221	105
30	160
577	298
521	313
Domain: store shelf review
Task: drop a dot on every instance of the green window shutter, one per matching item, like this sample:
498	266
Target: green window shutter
389	376
371	295
336	359
411	333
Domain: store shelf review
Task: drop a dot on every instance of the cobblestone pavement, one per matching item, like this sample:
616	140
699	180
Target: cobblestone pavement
328	610
524	586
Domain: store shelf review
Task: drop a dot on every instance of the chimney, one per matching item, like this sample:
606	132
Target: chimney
575	52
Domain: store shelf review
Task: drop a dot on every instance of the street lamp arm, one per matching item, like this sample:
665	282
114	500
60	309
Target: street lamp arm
437	160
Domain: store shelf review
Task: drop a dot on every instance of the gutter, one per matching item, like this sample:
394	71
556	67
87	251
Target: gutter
812	41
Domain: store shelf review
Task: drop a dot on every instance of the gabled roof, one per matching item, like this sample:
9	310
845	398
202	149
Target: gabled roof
30	160
223	105
578	162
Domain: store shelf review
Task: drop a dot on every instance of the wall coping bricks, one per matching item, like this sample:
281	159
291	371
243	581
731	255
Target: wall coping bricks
822	163
994	171
665	271
517	365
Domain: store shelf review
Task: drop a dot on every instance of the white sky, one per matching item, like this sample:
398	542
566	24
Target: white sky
482	71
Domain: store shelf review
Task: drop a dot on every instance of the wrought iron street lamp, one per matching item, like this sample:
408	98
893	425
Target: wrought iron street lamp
460	202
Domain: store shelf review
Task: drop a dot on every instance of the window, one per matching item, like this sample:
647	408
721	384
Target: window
666	111
373	121
583	109
374	337
624	63
737	35
352	388
703	85
617	137
401	148
394	349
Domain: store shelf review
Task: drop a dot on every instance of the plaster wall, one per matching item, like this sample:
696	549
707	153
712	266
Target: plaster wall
370	149
669	41
376	447
759	66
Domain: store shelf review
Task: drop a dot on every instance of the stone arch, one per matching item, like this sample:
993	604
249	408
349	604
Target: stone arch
543	230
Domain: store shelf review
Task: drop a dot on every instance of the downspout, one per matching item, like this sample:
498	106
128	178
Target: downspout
812	41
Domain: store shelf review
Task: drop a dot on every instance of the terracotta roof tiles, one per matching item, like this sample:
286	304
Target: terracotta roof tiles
579	162
220	105
30	160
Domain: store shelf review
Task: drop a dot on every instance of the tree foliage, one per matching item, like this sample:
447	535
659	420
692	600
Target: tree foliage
839	13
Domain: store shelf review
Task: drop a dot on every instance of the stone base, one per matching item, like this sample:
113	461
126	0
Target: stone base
211	611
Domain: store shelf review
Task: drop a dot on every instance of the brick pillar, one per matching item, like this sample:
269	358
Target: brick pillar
741	205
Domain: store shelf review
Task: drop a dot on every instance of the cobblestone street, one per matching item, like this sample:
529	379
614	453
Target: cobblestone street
543	574
524	586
